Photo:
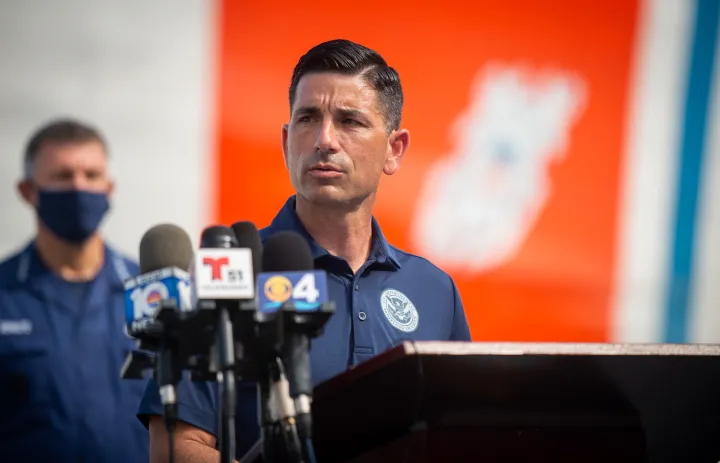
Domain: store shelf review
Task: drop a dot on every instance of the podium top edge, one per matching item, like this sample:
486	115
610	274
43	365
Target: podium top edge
513	351
556	348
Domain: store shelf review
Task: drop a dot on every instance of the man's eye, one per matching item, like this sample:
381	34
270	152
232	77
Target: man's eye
304	119
64	175
351	122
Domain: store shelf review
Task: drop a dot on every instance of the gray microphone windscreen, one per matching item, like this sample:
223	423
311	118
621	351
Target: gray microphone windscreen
218	236
287	251
165	245
248	237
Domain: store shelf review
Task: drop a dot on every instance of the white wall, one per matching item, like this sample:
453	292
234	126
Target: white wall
140	70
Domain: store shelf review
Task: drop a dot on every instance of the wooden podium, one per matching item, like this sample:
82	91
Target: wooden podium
508	402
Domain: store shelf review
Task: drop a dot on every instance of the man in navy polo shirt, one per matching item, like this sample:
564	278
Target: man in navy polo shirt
62	315
344	133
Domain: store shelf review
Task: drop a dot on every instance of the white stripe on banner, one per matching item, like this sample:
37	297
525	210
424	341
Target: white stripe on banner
705	293
648	176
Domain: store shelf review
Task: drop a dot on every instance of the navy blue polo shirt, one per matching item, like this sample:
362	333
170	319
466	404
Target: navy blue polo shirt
62	345
394	297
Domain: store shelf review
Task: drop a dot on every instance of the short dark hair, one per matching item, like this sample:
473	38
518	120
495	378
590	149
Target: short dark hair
349	58
59	131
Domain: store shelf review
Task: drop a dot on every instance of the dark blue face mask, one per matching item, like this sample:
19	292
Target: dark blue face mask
73	215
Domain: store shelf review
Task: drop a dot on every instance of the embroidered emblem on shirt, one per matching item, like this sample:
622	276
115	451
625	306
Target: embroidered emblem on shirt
399	310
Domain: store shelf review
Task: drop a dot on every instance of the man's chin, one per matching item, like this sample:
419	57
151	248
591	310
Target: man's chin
330	196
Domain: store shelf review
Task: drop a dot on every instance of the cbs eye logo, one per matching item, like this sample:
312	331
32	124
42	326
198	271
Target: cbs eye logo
278	289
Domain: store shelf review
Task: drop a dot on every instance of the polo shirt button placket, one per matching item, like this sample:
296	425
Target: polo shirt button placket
361	315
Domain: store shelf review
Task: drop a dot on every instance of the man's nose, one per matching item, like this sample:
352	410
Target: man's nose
327	137
80	181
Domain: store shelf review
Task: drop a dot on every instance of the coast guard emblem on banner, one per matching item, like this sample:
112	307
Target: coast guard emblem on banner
399	310
479	203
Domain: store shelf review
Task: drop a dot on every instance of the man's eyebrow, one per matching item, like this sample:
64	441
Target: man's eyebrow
307	110
352	112
342	112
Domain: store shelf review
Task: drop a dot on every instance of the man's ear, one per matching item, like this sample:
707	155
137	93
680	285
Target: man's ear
28	192
285	129
398	144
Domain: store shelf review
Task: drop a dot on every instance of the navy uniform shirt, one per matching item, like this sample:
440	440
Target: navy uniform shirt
62	346
394	297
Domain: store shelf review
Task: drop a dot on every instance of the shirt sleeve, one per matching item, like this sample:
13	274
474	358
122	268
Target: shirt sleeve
197	406
460	329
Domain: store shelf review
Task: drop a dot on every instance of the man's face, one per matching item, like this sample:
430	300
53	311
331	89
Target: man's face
69	166
336	145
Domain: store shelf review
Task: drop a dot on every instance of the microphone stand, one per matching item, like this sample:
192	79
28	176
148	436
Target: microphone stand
267	425
285	401
161	336
297	354
284	445
276	409
225	352
167	374
298	329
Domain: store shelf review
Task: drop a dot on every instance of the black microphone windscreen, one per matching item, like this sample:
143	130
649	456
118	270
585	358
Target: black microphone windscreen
248	237
165	245
218	236
286	251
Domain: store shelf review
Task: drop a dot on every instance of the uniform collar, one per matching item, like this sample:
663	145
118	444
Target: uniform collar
30	266
287	219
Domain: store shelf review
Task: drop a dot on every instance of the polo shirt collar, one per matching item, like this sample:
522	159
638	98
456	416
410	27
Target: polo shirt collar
287	219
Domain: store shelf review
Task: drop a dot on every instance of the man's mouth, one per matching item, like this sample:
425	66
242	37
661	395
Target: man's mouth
324	167
325	171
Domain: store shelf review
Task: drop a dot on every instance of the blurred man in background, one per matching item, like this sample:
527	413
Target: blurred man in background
62	338
344	134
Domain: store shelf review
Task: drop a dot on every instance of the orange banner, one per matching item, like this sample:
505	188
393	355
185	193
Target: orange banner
516	112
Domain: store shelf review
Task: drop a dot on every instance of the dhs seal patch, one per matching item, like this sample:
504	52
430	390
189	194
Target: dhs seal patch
399	310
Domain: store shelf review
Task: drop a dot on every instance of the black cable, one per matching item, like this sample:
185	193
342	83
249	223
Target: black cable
296	352
167	374
170	417
304	427
288	447
289	425
310	451
226	384
227	414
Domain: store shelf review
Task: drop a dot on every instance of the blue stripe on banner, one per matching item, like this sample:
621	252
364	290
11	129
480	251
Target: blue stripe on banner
691	161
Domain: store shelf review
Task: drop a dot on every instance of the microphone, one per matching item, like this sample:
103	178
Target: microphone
248	237
222	277
165	254
245	329
290	286
152	300
221	274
